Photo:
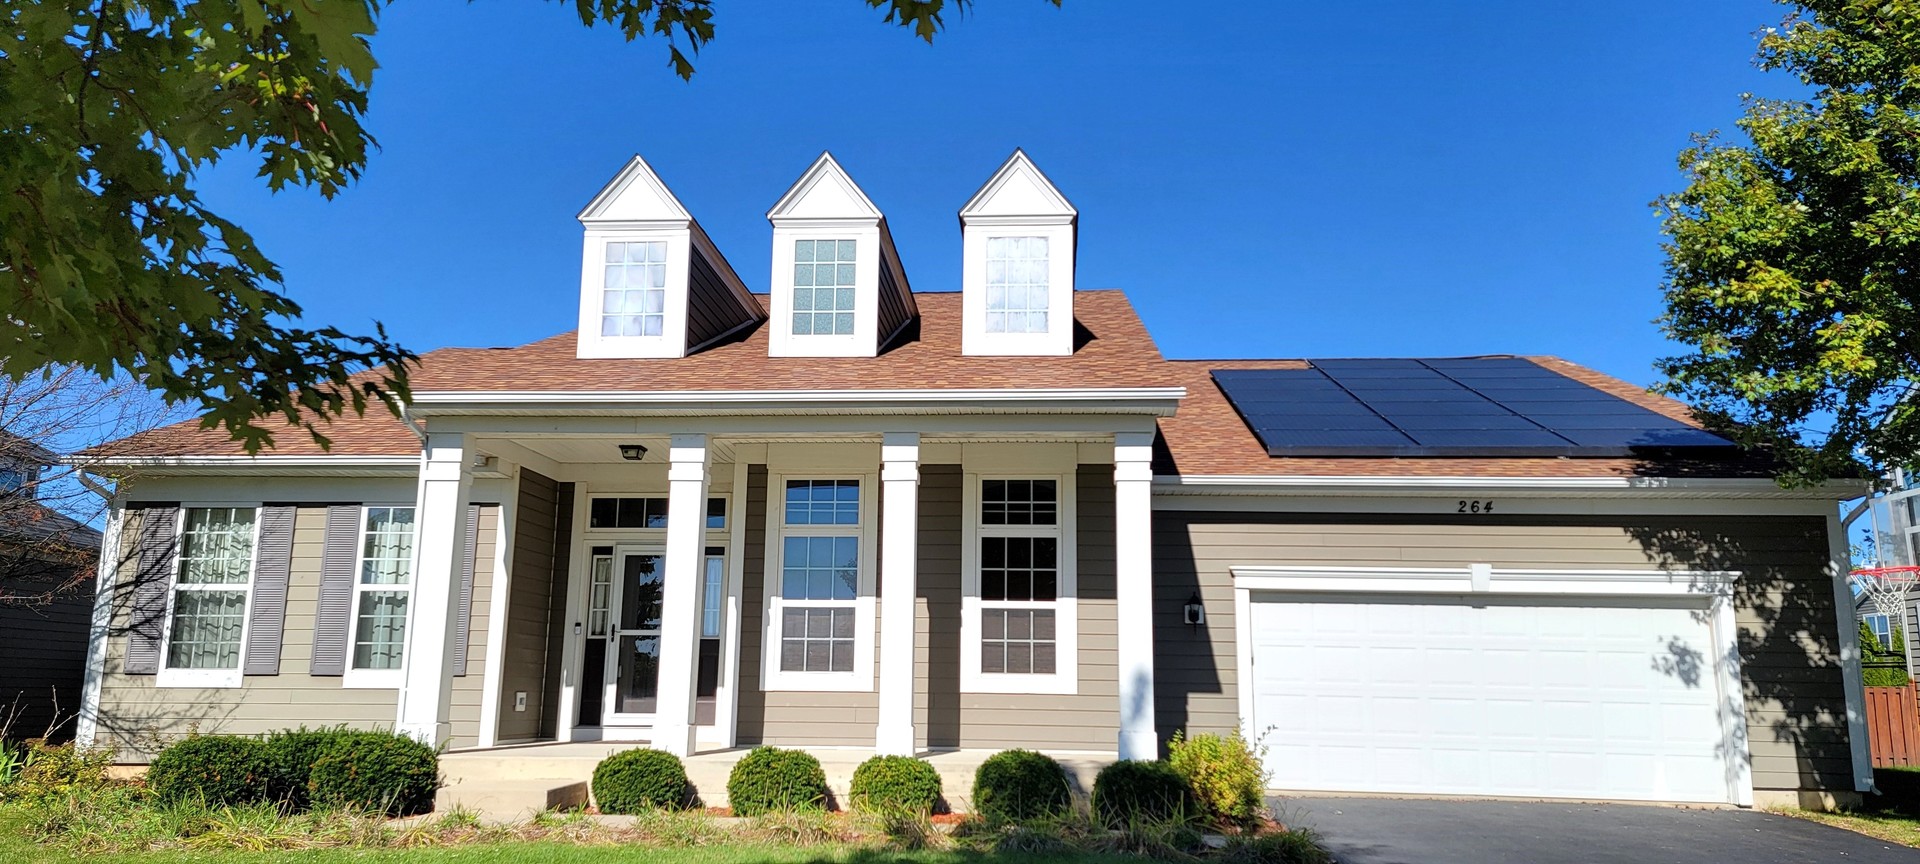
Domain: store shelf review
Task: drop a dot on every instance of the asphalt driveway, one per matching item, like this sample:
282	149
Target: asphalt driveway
1394	831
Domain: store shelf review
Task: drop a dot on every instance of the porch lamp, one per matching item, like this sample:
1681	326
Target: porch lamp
633	452
1195	612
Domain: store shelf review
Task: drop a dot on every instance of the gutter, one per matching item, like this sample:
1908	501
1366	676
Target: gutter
1679	487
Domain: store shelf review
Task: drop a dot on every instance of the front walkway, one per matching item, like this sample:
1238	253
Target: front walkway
513	782
1404	831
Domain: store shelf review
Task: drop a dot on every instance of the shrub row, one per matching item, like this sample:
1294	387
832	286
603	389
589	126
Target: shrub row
300	769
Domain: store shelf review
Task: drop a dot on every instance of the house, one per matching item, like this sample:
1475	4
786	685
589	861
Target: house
846	515
46	591
1893	541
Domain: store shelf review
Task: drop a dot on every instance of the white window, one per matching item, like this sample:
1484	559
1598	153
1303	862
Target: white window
823	277
1018	619
820	604
633	297
1882	627
383	585
713	593
207	622
1016	285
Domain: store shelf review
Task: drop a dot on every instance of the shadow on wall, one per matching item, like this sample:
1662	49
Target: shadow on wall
1186	660
1788	639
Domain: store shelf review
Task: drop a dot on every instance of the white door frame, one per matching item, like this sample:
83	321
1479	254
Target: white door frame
1713	589
611	718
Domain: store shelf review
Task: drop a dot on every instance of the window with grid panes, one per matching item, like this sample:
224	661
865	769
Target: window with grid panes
1019	576
633	297
823	281
819	575
211	589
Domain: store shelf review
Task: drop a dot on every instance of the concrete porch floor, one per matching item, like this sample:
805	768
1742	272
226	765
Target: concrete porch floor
515	781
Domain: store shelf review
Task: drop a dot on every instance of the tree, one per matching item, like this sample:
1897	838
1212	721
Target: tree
1793	256
110	263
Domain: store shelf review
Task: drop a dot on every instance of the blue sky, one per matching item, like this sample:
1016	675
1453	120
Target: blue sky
1273	179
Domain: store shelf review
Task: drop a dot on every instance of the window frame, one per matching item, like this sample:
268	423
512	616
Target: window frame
864	604
1867	619
379	679
812	311
593	280
1026	308
166	676
1065	679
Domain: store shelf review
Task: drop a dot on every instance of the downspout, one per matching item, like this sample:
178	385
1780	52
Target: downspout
406	419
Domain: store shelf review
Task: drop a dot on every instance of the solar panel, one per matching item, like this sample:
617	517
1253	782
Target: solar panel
1494	406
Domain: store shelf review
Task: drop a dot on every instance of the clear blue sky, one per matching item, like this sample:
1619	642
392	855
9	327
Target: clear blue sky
1269	179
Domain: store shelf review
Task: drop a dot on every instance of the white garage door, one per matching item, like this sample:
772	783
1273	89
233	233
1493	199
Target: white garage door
1510	697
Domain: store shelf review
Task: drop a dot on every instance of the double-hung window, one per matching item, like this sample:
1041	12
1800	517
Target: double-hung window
1019	617
207	624
1017	285
1881	626
821	600
382	588
823	282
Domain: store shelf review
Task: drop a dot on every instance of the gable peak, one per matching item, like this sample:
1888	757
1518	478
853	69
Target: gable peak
1018	188
824	191
636	194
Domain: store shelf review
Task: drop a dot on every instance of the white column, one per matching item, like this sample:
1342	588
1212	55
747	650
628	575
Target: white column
87	725
1848	623
1133	576
673	725
899	552
439	531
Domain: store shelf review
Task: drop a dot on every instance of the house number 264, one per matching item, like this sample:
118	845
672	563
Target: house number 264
1475	507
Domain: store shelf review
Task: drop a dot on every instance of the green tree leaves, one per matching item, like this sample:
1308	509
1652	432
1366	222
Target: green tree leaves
1793	258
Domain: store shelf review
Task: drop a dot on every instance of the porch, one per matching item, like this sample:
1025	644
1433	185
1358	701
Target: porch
513	782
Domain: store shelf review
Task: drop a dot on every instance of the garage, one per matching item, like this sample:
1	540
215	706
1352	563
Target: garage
1538	685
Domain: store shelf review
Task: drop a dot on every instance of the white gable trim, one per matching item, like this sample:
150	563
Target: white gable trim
828	170
667	206
1054	202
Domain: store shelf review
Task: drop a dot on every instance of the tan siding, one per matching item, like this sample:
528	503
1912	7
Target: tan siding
1784	605
463	712
137	717
529	601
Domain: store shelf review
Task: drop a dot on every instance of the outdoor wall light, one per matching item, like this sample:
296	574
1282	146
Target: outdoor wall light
633	452
1195	612
576	628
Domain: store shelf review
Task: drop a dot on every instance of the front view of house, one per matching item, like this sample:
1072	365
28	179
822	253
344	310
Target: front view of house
847	514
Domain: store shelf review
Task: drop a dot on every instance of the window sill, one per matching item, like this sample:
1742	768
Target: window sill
200	679
818	682
1056	684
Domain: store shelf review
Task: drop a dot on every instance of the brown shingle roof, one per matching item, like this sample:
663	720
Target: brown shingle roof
1208	437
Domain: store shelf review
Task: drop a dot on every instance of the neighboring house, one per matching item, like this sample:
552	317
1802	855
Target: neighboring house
846	514
1895	534
46	594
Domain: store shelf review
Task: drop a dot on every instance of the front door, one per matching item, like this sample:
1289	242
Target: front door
633	646
623	643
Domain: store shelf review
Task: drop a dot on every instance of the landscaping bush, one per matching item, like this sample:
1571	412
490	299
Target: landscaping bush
1020	785
376	771
895	784
633	781
290	754
770	779
1225	775
1135	792
34	770
217	770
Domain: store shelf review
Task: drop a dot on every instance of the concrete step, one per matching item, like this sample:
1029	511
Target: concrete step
511	800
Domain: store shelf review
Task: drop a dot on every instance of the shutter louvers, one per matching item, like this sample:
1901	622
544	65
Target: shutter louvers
463	619
153	577
272	566
330	625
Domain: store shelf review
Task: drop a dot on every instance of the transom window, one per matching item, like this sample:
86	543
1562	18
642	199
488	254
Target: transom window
383	589
634	296
646	513
823	277
819	590
1017	285
210	593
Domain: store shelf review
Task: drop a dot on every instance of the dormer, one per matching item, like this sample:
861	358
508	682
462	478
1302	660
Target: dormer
1017	243
652	284
838	287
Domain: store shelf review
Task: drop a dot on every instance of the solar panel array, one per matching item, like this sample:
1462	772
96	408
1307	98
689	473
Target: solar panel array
1485	406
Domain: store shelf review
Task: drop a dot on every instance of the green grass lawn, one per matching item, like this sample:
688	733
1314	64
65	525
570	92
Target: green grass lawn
1894	815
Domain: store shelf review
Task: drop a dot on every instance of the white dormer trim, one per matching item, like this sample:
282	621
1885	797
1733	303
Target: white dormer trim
826	205
1018	201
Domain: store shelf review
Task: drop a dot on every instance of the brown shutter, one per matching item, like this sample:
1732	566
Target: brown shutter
272	565
463	618
155	552
330	625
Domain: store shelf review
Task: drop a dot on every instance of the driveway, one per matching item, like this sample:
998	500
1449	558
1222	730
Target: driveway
1396	831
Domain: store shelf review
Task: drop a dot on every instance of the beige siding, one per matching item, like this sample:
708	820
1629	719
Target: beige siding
529	603
1784	605
463	712
138	718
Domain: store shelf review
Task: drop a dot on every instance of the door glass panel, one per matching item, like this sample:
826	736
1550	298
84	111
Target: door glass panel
636	691
640	593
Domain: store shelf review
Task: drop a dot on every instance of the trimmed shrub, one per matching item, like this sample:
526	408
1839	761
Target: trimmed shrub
1225	775
1020	785
381	772
770	780
1135	792
290	754
633	781
217	770
895	784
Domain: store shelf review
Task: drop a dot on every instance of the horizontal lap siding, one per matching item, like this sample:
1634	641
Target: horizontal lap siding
45	649
712	308
137	718
1796	726
523	667
463	712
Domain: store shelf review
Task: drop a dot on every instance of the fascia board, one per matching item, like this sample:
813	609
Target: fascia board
1757	487
1158	401
257	465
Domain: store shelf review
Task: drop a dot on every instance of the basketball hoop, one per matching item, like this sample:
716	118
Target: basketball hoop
1887	587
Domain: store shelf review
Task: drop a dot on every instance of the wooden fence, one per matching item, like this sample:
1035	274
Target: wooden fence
1893	725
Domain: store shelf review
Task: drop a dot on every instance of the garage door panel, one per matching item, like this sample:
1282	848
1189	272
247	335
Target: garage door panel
1479	696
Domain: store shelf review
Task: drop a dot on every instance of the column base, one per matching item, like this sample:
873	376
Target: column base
677	740
894	741
430	734
1139	744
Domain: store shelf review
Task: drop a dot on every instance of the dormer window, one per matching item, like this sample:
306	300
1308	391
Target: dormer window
634	295
1017	242
1017	285
823	287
